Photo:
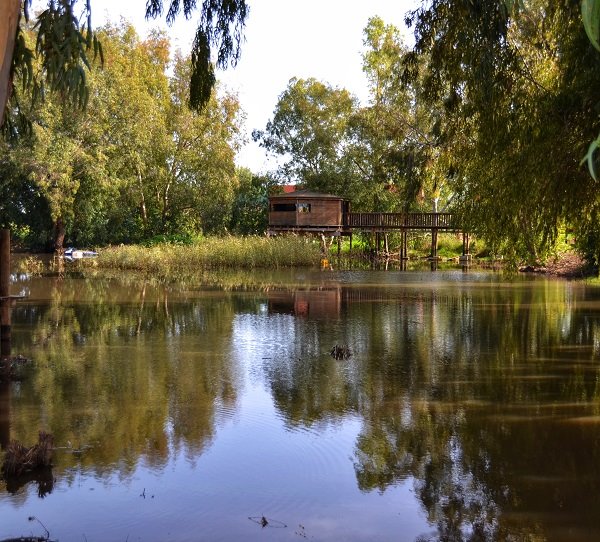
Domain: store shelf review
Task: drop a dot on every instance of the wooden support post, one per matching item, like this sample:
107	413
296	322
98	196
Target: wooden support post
350	250
434	233
5	331
4	293
434	262
372	246
339	246
401	254
465	259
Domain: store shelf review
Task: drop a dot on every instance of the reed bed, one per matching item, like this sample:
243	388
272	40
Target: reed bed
214	253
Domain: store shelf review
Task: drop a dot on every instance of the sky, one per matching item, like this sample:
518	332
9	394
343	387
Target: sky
283	39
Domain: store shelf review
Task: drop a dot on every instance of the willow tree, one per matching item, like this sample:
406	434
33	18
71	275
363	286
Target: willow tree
518	88
65	41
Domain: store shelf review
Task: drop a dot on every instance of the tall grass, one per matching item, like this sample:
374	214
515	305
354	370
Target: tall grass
213	253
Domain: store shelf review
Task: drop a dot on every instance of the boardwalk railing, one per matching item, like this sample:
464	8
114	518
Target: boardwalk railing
442	221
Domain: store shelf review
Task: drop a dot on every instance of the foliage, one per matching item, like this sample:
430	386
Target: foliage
64	41
517	91
384	134
137	162
449	245
249	214
221	25
308	131
375	154
31	265
174	239
22	207
590	14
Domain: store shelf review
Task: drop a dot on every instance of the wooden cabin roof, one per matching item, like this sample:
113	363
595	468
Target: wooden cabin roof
305	194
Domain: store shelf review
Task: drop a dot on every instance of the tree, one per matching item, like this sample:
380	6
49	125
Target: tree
308	131
131	101
199	172
64	41
137	162
171	168
370	154
385	134
517	88
22	207
250	207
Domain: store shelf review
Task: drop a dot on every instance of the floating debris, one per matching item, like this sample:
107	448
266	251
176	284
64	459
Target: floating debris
267	522
31	538
301	531
18	459
340	352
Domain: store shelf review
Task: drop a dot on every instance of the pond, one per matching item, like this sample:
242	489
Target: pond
469	408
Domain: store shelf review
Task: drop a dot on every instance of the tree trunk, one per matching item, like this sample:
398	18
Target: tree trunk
59	235
10	10
143	210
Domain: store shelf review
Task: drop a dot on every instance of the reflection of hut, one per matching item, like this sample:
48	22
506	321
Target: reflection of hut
317	303
305	210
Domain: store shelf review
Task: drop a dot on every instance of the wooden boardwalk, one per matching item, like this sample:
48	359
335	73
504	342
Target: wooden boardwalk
379	224
376	222
400	221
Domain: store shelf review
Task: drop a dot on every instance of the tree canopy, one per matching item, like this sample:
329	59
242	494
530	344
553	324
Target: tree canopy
518	92
137	162
375	154
490	115
65	39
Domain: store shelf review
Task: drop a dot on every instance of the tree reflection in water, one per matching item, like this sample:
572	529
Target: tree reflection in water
485	395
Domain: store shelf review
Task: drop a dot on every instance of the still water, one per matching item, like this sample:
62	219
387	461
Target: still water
468	410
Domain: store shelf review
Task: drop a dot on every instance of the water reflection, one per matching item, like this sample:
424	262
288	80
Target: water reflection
4	413
472	393
131	373
482	395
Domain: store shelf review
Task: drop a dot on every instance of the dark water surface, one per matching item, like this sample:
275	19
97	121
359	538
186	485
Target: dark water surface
469	409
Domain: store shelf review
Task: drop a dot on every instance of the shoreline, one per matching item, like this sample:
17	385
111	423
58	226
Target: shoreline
568	265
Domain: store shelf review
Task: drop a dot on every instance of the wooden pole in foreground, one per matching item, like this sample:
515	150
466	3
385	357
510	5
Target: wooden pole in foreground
4	262
4	293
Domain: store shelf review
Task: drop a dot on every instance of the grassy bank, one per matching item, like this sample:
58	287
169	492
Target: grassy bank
214	253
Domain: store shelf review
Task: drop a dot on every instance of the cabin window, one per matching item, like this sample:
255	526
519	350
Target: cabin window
284	207
304	207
